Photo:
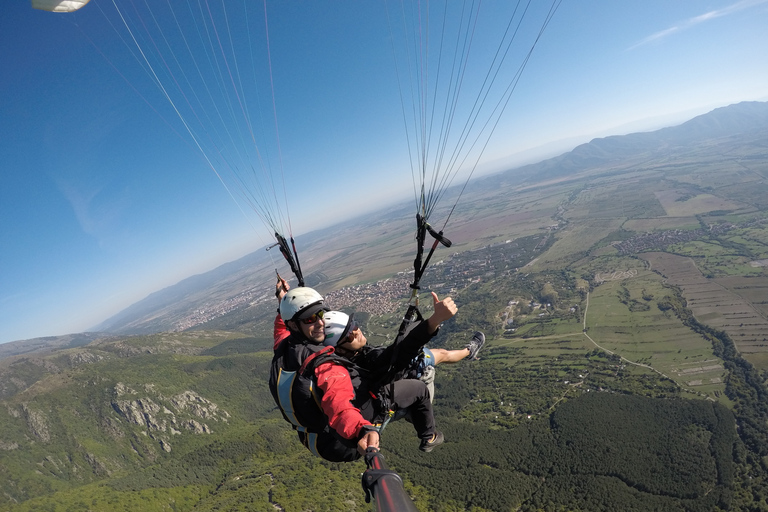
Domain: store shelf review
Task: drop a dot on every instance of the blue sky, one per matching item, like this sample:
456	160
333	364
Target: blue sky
105	197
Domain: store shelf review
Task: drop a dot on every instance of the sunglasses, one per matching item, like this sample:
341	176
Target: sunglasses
350	336
313	318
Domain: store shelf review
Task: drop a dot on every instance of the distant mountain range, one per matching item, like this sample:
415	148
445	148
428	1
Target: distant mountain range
246	282
724	124
15	348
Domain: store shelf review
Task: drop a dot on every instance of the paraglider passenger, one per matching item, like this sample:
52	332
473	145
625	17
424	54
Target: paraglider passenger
414	360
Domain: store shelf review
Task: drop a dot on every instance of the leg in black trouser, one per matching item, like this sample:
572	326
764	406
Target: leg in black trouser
412	395
330	446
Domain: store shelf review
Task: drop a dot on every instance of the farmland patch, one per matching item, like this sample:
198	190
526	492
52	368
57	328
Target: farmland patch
713	304
752	289
678	204
624	317
661	224
575	240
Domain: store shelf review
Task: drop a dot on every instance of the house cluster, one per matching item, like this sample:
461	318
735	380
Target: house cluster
213	310
379	298
473	266
386	296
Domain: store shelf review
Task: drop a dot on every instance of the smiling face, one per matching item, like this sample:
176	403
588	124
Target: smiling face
313	328
354	341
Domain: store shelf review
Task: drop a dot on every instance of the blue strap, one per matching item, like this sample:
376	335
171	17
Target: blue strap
311	442
285	380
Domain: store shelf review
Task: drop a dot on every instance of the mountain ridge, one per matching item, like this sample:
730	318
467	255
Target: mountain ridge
729	121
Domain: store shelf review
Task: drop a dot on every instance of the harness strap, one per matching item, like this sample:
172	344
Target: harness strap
285	380
308	362
310	441
387	418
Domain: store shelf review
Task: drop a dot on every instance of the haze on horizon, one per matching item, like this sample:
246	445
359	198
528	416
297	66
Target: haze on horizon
103	202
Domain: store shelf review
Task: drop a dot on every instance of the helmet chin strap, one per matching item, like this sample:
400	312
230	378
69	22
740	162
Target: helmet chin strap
345	351
291	325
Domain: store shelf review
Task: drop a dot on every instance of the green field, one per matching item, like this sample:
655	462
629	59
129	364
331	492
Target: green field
650	336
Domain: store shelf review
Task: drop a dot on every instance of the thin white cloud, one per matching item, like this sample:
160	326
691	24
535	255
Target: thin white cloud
81	204
696	20
96	213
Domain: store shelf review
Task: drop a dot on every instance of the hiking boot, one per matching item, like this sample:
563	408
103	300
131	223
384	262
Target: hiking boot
475	344
427	445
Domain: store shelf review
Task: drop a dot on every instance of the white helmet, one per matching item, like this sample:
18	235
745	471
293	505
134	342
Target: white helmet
301	302
337	326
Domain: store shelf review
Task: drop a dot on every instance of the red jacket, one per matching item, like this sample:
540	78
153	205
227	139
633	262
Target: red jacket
338	393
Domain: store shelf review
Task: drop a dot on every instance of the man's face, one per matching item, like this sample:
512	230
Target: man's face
355	341
314	330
